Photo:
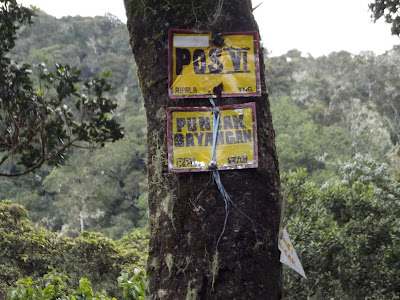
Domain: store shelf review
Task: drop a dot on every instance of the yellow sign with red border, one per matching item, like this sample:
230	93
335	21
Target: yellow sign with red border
197	64
190	138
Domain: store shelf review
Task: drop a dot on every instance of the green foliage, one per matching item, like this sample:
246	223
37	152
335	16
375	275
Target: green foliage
54	286
303	143
346	233
25	290
133	283
29	251
327	109
38	126
100	189
388	9
12	16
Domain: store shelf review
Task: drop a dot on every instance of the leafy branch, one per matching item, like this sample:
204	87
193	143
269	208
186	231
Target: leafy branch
39	126
389	9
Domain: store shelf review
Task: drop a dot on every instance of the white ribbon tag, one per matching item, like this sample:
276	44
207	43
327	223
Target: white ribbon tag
288	254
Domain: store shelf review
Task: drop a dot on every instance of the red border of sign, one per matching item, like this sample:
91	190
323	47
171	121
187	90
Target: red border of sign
257	64
206	108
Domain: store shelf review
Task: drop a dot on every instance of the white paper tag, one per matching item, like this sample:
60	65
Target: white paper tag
288	254
198	41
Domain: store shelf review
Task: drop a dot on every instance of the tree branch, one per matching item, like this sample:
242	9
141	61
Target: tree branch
40	162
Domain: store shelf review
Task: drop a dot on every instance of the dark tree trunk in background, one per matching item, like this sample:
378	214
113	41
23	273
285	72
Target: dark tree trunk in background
187	211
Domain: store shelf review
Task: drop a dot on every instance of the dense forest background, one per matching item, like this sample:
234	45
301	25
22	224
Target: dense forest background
337	124
102	190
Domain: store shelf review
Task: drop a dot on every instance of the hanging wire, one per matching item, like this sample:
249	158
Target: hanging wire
227	199
217	179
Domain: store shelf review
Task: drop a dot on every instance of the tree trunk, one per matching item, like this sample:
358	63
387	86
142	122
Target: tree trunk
187	211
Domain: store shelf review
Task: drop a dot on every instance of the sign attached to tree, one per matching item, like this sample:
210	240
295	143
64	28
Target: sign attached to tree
190	138
197	64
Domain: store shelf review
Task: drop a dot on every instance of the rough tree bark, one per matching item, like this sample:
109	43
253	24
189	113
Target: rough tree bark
186	210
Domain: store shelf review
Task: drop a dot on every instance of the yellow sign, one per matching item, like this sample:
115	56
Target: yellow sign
190	138
197	65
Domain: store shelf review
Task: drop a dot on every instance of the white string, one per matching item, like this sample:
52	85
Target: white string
215	172
228	201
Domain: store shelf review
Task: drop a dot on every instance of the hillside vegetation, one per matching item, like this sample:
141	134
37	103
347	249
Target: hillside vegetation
337	125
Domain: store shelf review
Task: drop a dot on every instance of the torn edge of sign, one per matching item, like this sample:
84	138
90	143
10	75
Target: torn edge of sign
288	254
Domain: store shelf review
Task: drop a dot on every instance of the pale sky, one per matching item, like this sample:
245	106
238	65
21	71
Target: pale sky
317	27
